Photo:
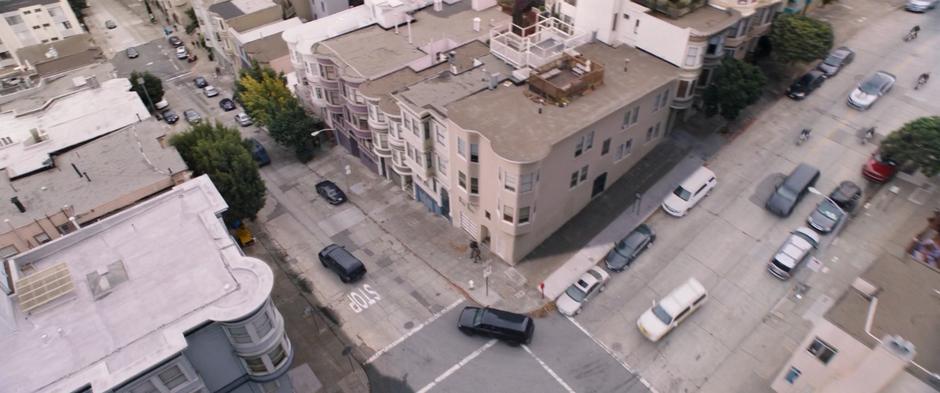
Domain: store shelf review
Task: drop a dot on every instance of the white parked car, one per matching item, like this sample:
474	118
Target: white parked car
589	284
181	52
243	119
689	192
793	251
669	312
210	91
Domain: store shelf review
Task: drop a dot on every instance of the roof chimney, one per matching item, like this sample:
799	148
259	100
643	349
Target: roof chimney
19	205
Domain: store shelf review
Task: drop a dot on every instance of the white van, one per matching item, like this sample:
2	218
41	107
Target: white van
689	192
668	313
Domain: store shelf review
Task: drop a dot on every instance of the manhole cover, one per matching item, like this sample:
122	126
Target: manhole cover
409	325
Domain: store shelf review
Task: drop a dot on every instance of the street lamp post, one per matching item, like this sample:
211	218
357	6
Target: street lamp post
317	133
140	81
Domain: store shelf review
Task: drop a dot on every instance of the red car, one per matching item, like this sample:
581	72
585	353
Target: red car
879	169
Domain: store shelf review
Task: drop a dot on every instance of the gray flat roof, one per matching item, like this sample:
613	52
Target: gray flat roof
907	306
13	5
117	164
517	132
182	269
226	9
383	87
439	91
372	52
706	20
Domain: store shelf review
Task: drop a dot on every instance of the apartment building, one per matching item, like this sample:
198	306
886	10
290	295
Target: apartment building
880	336
262	44
66	164
693	35
30	22
219	20
376	40
156	298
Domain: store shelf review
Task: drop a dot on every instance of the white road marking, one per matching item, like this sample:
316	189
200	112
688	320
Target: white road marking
413	331
612	354
549	370
457	366
179	76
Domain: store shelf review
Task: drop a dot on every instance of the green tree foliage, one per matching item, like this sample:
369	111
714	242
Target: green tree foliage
255	72
193	22
292	127
798	38
153	85
736	85
265	97
219	152
917	144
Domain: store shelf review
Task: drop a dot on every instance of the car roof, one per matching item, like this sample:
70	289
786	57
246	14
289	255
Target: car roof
700	176
343	257
682	296
495	317
884	76
841	51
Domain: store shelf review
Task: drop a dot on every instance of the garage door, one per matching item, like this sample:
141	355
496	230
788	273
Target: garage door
468	225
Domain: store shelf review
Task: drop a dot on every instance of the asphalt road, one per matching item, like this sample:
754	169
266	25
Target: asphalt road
561	358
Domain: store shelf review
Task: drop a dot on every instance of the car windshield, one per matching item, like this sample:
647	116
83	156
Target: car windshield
663	316
829	211
575	293
682	193
872	85
833	60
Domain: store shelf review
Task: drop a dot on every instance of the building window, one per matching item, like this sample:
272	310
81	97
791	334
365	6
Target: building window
526	182
441	138
42	238
263	325
6	56
277	355
792	375
256	365
683	90
319	93
441	164
584	173
461	148
8	251
172	377
523	215
146	387
239	334
27	12
574	179
45	25
589	141
822	351
630	117
605	147
656	131
691	57
14	20
579	148
36	27
474	152
462	180
509	182
474	185
507	213
649	134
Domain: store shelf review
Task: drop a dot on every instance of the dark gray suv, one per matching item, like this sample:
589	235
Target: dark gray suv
792	189
342	262
512	328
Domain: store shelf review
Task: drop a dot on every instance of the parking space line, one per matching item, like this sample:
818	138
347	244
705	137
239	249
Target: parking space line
549	370
413	331
457	366
612	354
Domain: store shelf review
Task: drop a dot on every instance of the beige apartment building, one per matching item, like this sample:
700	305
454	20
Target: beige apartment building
881	336
25	23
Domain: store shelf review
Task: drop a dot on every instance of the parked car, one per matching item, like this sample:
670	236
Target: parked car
879	169
826	217
867	92
227	104
131	53
331	192
175	41
170	117
792	190
689	192
669	312
920	5
192	117
836	61
629	248
846	195
794	250
181	52
243	235
581	291
806	84
342	262
258	153
210	91
110	24
509	327
161	105
243	119
200	82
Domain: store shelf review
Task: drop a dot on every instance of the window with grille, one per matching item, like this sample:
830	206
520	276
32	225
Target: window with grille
474	152
256	365
509	182
474	185
507	213
523	215
146	387
239	334
822	351
526	182
263	325
172	377
277	355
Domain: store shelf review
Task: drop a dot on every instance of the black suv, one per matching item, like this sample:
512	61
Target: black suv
806	84
347	267
512	328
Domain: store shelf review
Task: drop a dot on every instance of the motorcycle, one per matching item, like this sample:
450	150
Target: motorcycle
867	135
921	81
804	136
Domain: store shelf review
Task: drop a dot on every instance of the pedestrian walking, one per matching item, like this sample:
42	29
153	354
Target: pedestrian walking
475	251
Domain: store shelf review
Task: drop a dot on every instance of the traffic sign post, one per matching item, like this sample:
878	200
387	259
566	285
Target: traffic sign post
487	271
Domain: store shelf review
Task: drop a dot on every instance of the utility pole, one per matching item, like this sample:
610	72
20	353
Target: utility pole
140	81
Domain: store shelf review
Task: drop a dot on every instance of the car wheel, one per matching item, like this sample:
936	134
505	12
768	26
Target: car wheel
466	332
322	262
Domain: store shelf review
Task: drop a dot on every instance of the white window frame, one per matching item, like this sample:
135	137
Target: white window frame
524	218
510	182
461	148
692	57
527	182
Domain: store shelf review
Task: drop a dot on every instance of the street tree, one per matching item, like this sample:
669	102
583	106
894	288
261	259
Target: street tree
799	38
256	72
265	97
77	6
219	151
193	22
291	128
736	85
916	144
152	86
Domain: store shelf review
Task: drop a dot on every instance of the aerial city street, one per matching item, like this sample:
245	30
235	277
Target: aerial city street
682	196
